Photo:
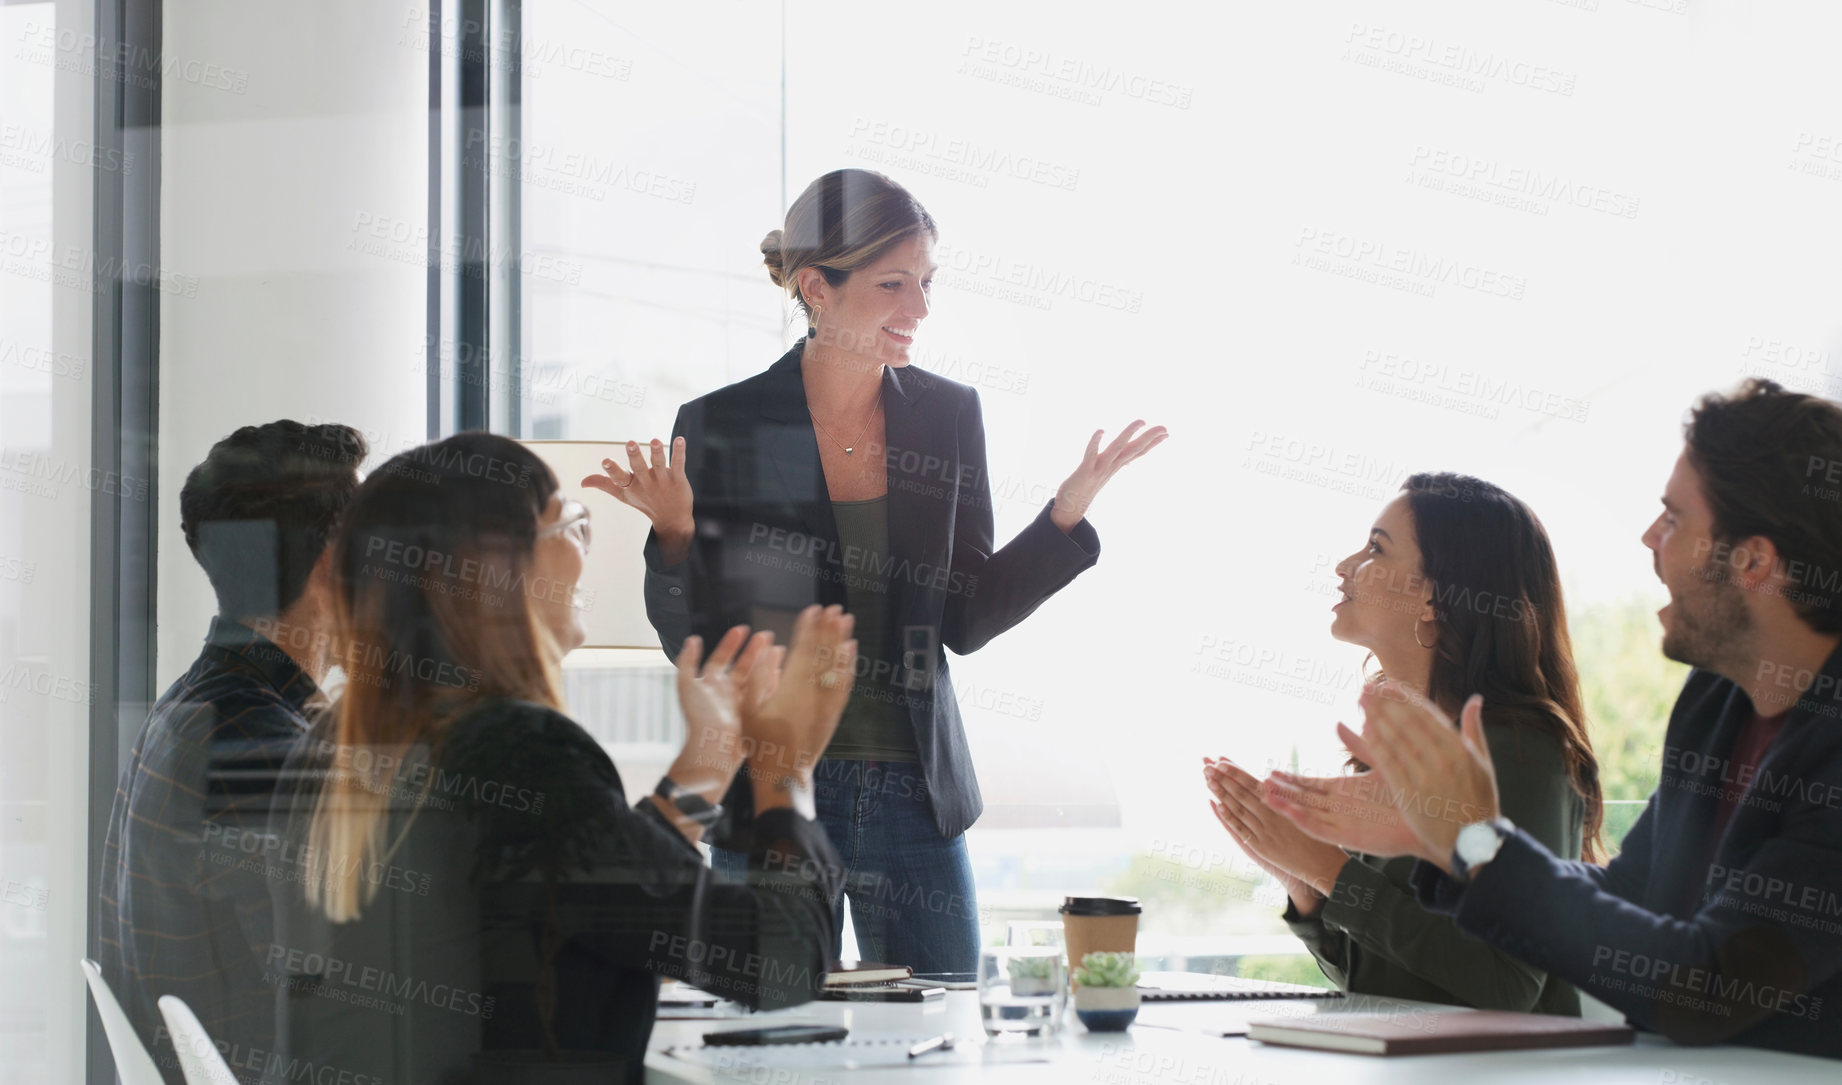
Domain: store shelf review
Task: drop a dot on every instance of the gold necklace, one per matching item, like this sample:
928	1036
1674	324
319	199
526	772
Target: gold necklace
852	447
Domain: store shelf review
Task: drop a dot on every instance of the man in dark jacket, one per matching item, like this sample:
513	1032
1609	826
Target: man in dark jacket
185	905
1721	918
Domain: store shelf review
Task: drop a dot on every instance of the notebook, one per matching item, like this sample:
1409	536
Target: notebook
1174	986
752	1063
1413	1030
858	973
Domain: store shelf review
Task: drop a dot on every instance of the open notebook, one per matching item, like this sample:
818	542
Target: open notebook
851	1054
1175	986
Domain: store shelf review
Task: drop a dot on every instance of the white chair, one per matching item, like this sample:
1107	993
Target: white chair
132	1061
198	1057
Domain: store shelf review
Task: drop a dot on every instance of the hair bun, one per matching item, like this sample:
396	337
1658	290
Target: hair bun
772	256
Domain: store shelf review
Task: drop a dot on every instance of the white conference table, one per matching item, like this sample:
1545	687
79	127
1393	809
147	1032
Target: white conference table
1169	1046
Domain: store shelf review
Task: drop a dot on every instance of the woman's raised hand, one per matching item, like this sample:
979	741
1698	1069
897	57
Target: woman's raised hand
1097	466
658	489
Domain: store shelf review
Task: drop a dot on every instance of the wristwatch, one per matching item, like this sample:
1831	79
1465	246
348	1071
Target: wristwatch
1477	844
688	803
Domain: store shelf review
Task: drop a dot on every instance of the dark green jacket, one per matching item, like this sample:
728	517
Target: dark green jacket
1372	937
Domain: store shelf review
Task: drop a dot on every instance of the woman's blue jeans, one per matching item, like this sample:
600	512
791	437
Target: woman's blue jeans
910	889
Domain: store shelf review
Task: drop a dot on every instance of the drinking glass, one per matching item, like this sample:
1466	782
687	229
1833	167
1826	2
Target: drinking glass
1029	933
1023	990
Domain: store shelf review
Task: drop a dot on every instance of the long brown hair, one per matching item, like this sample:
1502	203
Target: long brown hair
433	615
1502	625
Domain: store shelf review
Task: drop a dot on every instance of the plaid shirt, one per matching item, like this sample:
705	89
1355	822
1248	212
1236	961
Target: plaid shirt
185	903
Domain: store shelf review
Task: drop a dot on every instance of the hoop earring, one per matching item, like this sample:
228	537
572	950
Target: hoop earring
1416	636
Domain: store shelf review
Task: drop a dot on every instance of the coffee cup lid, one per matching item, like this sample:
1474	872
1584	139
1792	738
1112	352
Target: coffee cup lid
1100	906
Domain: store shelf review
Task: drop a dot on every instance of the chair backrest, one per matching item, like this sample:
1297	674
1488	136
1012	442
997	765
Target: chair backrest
132	1061
198	1057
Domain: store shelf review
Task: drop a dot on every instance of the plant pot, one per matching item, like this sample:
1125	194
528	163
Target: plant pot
1031	986
1106	1009
511	1067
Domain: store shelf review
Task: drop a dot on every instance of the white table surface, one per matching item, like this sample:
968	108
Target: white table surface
1167	1046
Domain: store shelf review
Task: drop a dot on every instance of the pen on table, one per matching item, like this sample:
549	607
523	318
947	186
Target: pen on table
943	1042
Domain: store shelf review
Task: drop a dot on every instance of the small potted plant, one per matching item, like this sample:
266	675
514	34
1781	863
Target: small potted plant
1106	991
1033	975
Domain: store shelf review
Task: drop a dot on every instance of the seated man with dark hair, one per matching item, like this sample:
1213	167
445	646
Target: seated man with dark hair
185	904
1720	920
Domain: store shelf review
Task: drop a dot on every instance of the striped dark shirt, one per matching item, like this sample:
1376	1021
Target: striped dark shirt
185	903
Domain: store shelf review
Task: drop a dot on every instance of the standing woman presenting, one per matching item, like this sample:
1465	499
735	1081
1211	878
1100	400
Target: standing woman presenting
842	474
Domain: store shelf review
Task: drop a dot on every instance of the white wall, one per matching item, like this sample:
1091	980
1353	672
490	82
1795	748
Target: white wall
294	135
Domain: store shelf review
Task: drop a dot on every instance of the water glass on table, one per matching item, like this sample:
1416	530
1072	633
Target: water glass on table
1029	933
1023	990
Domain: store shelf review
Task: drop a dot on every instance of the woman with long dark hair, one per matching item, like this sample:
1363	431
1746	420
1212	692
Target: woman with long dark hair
463	876
844	474
1455	592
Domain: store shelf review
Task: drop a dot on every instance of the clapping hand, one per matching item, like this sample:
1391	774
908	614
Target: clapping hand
711	694
1428	779
791	713
1305	867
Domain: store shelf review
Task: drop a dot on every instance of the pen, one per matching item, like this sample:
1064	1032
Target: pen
943	1042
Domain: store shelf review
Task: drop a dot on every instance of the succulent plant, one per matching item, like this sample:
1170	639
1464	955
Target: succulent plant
1100	969
1032	968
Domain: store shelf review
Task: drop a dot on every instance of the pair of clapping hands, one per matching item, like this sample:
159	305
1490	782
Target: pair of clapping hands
773	706
1426	780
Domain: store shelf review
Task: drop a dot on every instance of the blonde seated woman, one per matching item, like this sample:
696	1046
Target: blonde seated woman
463	876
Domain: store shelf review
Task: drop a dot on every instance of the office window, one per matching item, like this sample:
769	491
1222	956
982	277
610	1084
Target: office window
1393	285
1328	247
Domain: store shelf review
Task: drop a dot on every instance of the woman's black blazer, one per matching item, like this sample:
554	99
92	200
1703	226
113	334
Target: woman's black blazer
766	546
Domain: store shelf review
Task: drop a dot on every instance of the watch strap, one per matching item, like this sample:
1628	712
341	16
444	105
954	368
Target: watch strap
688	803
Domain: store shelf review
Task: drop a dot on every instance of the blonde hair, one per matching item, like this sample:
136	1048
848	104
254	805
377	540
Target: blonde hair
417	653
844	221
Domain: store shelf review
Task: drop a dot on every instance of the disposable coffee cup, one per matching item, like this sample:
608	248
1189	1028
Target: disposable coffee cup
1099	925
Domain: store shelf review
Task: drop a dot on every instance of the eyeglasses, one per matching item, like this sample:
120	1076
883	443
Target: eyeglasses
574	524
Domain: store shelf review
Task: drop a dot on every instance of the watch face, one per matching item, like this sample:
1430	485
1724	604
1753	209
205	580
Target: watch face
1478	842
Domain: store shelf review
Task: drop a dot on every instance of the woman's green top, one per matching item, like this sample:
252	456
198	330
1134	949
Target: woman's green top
1372	937
875	725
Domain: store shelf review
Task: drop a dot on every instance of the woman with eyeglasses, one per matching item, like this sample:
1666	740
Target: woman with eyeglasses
844	474
462	876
